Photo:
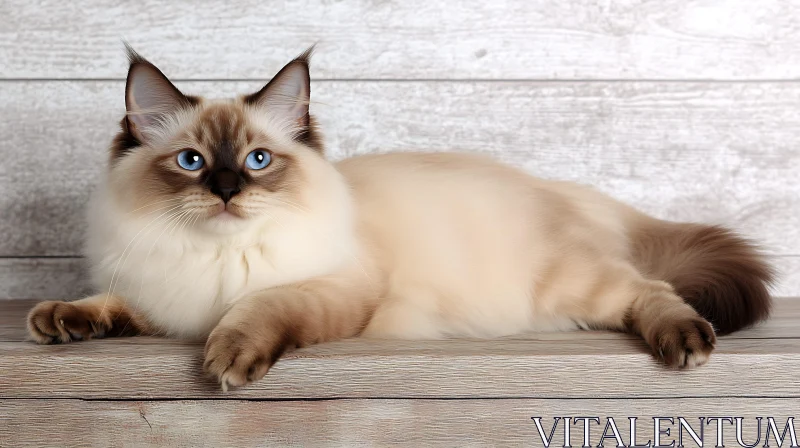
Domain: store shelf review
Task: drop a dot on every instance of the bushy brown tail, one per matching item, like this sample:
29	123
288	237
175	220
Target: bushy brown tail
720	274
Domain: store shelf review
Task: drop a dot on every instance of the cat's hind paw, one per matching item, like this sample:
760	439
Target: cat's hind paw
684	343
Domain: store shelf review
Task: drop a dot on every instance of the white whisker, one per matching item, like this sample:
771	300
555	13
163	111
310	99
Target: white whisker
172	219
183	226
111	287
153	203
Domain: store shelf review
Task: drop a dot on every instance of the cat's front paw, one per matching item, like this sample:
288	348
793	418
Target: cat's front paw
55	322
684	343
235	358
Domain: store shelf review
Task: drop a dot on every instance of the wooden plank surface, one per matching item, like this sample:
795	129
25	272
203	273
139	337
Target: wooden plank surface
417	39
527	366
721	153
157	369
379	422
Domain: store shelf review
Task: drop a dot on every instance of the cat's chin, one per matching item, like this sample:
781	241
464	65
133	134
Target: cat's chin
226	216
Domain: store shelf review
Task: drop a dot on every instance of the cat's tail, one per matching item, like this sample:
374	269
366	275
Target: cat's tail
723	276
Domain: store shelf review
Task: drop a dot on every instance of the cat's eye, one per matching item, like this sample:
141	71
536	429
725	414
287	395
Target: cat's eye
190	160
258	159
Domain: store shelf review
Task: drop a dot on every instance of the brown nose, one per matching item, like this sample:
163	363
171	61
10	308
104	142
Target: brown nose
225	184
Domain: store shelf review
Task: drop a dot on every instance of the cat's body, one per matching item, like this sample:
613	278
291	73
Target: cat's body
411	245
475	267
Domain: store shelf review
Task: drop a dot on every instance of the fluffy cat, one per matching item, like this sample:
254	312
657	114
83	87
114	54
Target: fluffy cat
223	219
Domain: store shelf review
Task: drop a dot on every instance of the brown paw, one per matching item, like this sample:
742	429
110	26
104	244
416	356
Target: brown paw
235	358
684	343
57	322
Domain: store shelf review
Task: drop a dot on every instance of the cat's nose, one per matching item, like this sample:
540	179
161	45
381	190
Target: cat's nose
225	184
226	193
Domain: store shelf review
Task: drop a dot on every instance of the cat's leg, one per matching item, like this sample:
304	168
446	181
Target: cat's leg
672	328
98	316
621	298
258	329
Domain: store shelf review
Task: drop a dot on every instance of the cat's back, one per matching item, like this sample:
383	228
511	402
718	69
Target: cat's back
425	170
464	178
431	198
426	191
417	161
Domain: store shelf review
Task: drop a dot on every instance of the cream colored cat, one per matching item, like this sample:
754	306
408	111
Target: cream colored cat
223	219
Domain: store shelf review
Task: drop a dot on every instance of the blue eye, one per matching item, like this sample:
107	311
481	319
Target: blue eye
258	159
191	160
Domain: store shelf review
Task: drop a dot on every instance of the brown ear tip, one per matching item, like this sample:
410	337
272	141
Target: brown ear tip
133	57
305	57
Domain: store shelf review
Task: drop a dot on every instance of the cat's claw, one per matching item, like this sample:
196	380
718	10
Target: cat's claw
234	358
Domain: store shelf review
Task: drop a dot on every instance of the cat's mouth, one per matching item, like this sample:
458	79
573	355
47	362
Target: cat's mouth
226	212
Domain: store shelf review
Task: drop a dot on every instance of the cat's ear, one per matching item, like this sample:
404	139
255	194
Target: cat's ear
149	96
288	94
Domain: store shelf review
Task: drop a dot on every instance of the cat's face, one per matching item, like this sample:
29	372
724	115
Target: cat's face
218	165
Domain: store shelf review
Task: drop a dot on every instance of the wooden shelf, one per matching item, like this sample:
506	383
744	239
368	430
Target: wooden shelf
353	383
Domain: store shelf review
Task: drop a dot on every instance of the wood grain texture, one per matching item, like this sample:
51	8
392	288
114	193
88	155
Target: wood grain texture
540	365
789	276
148	368
350	423
453	39
711	152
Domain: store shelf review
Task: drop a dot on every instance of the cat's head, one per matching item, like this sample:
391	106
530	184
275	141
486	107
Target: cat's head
219	164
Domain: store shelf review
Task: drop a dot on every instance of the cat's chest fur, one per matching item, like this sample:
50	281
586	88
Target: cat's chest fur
184	281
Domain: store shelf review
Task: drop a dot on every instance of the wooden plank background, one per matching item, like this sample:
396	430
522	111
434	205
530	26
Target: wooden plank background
688	109
408	39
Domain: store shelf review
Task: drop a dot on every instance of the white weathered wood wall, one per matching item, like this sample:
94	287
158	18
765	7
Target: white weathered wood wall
688	109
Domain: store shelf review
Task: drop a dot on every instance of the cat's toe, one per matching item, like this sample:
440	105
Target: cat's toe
45	325
685	343
235	359
55	322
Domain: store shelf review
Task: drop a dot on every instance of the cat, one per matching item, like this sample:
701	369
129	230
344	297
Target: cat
223	220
